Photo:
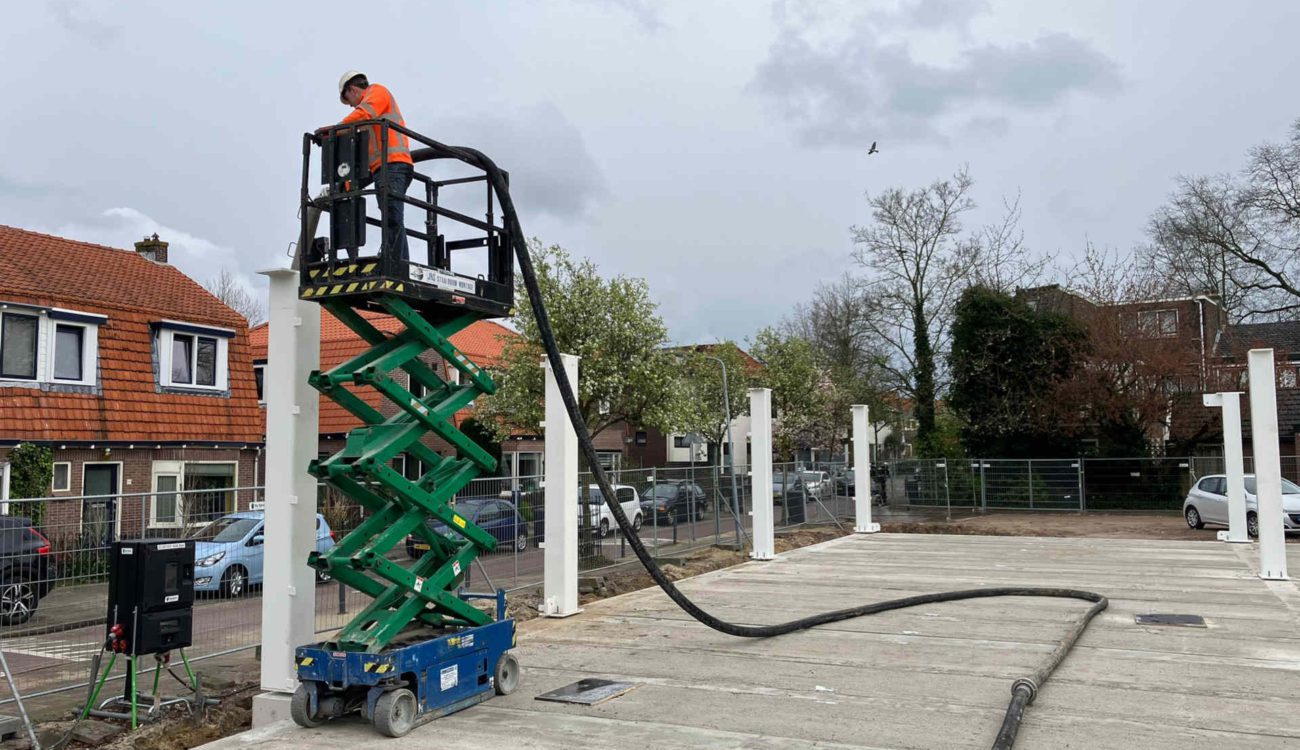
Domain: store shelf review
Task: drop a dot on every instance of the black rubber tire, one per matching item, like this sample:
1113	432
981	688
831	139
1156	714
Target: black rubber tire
1252	524
505	677
395	713
1193	517
521	541
300	709
604	528
234	582
18	600
636	522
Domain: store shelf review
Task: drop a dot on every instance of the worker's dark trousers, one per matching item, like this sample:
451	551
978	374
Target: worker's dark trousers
397	178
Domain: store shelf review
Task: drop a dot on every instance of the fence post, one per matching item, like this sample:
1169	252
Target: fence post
1083	499
760	410
1268	465
984	485
292	439
1031	482
560	561
862	472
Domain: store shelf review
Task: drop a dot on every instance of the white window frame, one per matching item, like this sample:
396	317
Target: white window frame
67	487
167	469
40	326
89	349
166	336
1149	322
48	321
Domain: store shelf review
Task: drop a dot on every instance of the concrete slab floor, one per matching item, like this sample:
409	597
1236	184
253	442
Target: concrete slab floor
935	676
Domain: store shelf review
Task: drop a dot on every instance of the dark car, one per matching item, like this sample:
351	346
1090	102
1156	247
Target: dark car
24	569
670	502
787	486
497	517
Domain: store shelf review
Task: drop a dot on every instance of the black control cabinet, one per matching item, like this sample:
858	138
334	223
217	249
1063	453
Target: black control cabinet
151	594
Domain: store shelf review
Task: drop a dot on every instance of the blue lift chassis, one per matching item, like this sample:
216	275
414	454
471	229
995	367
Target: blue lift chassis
404	686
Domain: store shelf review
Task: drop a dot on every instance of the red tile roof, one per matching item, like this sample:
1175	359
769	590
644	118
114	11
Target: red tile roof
46	271
483	342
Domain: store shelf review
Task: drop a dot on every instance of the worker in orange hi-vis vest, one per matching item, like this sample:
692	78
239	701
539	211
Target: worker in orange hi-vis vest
370	101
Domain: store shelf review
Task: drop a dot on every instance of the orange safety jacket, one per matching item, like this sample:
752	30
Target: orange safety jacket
378	104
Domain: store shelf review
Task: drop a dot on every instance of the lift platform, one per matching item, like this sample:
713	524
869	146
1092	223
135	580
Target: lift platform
421	649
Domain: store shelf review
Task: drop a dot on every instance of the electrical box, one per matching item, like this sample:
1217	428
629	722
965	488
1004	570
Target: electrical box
151	593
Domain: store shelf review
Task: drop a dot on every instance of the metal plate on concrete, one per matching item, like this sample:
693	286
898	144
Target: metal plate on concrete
588	692
1183	621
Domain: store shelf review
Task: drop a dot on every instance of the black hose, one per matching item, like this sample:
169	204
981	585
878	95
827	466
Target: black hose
1023	690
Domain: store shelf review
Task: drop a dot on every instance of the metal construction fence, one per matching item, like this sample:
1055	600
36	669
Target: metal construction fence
1073	484
52	621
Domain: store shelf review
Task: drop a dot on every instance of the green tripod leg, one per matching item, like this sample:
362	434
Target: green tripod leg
194	681
135	698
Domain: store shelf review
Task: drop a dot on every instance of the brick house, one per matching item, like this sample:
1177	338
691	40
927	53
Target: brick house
1195	332
136	376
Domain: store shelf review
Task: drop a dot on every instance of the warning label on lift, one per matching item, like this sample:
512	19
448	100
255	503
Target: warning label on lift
441	279
448	677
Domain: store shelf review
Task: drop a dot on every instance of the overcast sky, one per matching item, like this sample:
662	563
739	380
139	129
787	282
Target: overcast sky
717	149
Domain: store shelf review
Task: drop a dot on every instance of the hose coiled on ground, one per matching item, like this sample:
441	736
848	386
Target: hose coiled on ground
1024	690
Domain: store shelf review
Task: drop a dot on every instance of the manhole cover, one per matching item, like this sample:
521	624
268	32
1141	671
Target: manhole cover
588	692
1184	621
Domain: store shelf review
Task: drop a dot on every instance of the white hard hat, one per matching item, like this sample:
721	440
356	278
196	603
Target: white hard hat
343	82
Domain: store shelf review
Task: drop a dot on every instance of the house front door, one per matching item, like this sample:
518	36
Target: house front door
99	508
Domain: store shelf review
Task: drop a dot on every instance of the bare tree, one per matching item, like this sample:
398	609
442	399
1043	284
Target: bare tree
226	287
996	257
912	251
1238	235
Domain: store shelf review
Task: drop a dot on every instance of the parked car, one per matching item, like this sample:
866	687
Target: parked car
228	552
24	569
671	502
817	483
1207	502
601	517
846	484
787	486
498	517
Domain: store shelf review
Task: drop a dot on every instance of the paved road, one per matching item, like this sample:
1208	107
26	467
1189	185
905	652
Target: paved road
55	647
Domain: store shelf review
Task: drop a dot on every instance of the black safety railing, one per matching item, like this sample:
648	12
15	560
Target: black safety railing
348	181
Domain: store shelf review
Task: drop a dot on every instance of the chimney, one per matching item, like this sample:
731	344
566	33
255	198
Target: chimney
152	248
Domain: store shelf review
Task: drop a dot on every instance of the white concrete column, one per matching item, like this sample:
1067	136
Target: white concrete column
862	472
1230	402
1268	465
292	411
560	573
760	414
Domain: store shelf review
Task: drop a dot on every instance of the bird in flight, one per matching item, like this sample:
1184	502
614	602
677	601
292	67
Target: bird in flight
873	149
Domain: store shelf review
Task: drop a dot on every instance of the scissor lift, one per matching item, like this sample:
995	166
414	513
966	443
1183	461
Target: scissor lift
421	649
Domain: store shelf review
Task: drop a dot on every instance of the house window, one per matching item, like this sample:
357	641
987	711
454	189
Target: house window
62	480
1158	322
69	346
681	441
259	374
191	494
19	335
190	357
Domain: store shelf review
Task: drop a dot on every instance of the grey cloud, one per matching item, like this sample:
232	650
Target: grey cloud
646	12
551	170
864	86
84	18
933	14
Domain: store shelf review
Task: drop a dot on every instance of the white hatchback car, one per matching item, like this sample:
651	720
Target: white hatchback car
1207	502
602	519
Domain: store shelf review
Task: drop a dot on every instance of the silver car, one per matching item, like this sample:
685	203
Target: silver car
1207	502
